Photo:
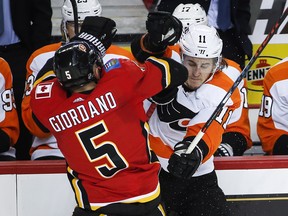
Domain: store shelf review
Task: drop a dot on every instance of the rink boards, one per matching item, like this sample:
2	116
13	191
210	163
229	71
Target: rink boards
254	185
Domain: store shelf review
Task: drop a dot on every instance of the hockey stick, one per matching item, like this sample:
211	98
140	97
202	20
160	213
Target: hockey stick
75	13
236	83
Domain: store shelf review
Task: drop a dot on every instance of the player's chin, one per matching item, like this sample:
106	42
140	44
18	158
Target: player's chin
193	84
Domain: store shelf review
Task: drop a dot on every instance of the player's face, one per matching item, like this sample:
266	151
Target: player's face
199	70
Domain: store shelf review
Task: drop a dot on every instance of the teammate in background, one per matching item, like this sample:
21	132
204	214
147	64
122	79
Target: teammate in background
188	181
190	14
236	138
9	124
45	146
272	127
92	110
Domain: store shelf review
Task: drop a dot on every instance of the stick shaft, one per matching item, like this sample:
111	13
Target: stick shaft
75	13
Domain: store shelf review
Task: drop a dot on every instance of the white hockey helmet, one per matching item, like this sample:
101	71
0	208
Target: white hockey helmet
190	14
84	8
201	41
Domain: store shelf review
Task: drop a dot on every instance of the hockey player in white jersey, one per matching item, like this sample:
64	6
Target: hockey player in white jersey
236	139
188	181
174	126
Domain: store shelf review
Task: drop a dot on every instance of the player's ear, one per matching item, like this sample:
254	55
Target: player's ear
96	71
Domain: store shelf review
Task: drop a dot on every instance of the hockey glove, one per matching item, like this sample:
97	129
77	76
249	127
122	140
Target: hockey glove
184	165
281	145
163	29
99	31
5	141
224	150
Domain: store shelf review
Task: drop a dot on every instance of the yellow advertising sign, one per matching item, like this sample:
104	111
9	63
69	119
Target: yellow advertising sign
272	54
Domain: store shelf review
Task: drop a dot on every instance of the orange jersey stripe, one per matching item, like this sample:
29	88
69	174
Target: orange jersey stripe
159	147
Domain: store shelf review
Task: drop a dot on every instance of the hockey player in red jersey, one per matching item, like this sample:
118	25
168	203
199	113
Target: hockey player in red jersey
97	116
9	125
272	127
44	146
188	181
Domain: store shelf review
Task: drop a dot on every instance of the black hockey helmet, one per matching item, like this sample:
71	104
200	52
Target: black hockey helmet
73	64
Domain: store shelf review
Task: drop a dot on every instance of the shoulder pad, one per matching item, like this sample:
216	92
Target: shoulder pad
112	64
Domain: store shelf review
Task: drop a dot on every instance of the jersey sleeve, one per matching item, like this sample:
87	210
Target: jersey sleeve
148	79
173	52
239	124
37	64
212	95
8	115
140	53
237	133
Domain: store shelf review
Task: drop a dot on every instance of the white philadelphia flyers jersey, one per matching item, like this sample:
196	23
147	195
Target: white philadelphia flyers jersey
273	113
239	121
186	115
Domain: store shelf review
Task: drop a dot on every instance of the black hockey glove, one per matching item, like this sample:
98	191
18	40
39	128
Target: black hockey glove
163	30
5	141
281	145
224	150
184	165
99	31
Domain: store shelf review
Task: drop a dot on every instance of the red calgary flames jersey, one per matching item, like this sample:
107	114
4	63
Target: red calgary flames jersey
104	135
44	144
